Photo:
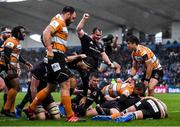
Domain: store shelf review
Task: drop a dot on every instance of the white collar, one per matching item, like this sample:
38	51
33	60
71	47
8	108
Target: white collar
137	48
60	17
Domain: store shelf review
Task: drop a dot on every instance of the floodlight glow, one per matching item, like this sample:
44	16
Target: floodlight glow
158	37
36	37
10	1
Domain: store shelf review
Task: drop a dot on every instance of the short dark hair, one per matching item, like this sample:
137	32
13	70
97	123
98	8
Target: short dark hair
16	30
133	39
95	29
68	9
140	86
94	74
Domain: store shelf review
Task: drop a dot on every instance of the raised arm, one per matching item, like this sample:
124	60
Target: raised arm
80	26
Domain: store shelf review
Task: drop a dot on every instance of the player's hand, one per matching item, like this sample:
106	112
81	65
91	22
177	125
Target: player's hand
50	54
82	101
86	16
82	56
111	65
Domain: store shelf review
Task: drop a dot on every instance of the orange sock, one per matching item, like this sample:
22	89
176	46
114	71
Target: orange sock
11	95
66	101
12	107
40	96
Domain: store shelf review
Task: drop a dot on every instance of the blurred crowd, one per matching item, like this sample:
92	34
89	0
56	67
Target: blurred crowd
169	55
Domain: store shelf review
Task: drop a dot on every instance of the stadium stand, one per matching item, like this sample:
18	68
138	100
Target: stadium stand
168	54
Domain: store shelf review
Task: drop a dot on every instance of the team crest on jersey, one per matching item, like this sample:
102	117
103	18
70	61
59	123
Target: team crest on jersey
55	67
54	24
10	44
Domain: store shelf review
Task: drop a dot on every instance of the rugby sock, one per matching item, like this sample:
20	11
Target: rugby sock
66	101
134	116
12	107
129	117
11	95
40	96
5	98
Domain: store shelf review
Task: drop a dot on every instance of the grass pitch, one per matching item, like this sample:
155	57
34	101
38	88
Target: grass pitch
172	101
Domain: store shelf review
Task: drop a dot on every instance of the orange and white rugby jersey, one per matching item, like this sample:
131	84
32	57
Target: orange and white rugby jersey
118	89
59	39
15	45
143	54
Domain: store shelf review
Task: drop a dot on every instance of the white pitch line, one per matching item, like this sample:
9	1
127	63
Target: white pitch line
174	111
8	119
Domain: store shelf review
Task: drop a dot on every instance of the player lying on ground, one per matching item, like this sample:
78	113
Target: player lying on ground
148	107
122	101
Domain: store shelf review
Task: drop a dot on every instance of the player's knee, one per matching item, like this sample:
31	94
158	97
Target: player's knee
73	82
65	84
